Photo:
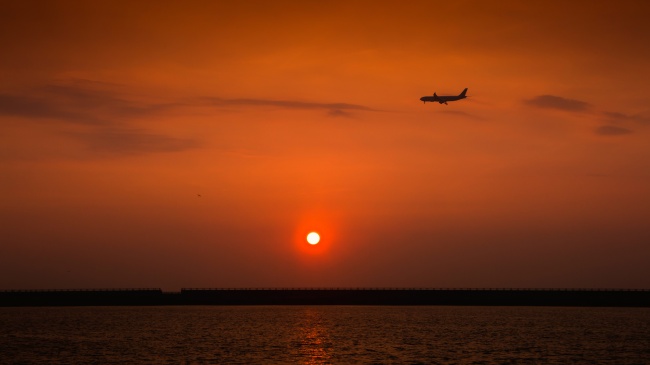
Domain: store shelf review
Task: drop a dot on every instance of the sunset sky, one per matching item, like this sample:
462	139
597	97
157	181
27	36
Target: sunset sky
195	144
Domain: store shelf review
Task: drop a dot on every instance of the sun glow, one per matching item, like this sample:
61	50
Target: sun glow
313	238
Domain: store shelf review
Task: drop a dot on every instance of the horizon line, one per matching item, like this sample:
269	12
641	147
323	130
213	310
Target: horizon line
318	288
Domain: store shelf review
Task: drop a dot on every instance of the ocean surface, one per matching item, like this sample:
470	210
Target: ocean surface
324	335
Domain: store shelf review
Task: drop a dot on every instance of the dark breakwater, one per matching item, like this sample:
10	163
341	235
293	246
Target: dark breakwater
329	296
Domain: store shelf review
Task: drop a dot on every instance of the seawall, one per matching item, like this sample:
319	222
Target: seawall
328	296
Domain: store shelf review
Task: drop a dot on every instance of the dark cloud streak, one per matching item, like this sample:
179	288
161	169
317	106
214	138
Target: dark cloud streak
101	111
618	117
334	109
558	103
126	141
74	104
611	130
338	113
41	108
579	106
104	111
81	101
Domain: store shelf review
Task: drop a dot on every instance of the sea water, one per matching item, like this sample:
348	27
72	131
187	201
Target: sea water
324	335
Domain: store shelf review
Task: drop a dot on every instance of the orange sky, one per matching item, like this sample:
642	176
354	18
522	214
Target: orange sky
287	118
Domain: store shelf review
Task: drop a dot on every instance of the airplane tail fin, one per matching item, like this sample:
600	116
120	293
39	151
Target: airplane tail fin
463	93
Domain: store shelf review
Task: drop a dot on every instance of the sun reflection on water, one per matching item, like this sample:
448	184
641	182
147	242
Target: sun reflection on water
315	346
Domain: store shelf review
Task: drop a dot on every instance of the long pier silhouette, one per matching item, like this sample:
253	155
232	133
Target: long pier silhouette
329	296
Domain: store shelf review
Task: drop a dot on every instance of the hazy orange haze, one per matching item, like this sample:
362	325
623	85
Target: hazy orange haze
195	144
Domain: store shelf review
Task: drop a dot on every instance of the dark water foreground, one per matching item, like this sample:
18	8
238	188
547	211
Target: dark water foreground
324	335
338	296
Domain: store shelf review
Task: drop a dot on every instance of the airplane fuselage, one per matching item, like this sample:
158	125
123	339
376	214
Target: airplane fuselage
443	99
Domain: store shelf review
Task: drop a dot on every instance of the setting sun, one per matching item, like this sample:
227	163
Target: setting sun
313	238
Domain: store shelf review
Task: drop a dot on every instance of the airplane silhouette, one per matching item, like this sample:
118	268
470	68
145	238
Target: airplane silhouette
444	98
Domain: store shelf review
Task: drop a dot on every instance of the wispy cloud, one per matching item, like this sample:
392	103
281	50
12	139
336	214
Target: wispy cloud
623	123
612	130
338	113
617	123
79	102
333	109
103	113
39	107
620	117
559	103
126	141
114	103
